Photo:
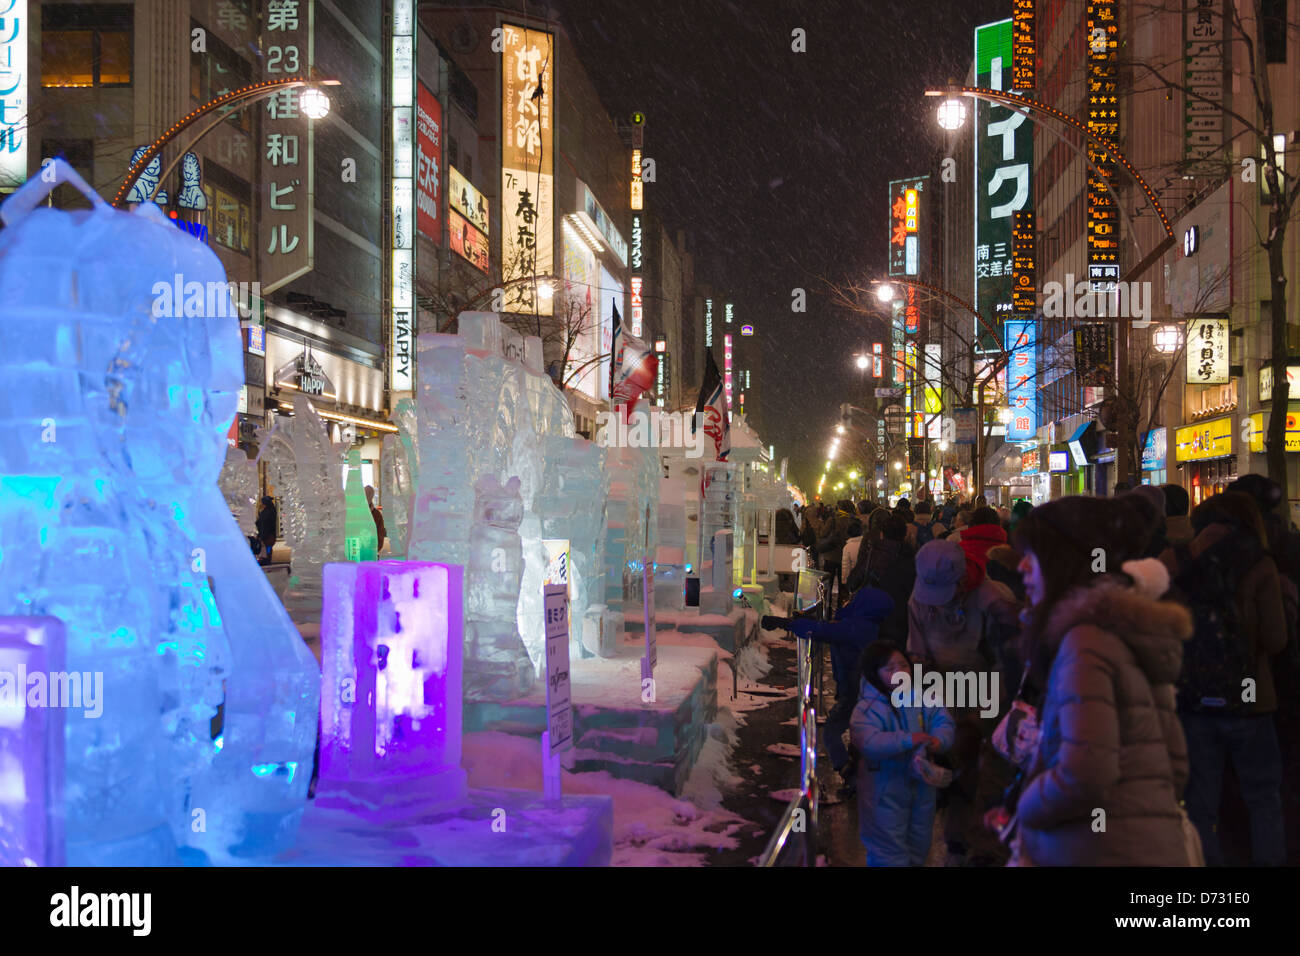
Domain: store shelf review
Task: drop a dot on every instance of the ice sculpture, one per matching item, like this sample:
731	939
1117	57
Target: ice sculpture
31	742
238	481
124	362
399	464
391	655
303	467
482	416
360	536
501	667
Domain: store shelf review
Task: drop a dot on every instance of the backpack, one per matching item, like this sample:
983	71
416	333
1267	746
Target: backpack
924	534
1216	658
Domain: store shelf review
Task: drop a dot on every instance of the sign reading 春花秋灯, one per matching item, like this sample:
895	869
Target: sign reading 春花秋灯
527	163
14	29
905	197
1203	71
1022	379
401	320
1207	351
559	711
1103	121
1004	152
287	239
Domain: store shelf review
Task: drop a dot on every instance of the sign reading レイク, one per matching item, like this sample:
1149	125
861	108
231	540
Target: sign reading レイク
1004	152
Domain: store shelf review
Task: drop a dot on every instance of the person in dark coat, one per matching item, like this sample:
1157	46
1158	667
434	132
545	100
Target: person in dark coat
786	531
855	627
889	564
1109	735
380	530
1229	553
268	520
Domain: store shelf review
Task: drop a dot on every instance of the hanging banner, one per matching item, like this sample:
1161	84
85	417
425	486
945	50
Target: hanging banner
527	162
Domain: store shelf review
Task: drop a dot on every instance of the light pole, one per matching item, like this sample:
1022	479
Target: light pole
241	97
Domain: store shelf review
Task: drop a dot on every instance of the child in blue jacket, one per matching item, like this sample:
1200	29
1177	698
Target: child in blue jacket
895	808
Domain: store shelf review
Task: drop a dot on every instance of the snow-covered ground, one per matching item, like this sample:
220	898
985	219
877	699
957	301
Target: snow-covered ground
651	827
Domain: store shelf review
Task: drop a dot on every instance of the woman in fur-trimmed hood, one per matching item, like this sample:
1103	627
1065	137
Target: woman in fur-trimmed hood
1108	652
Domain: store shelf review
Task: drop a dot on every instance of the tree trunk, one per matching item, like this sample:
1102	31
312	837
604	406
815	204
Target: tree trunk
1276	443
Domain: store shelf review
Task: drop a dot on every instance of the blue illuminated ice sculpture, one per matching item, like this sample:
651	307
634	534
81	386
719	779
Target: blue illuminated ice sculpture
121	351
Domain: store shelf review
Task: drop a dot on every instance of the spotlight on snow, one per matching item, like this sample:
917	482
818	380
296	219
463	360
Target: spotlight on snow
885	292
952	114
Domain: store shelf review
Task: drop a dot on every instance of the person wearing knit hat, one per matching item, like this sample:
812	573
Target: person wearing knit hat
945	626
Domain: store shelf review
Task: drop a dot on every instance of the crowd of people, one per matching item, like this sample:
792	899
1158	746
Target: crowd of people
1140	648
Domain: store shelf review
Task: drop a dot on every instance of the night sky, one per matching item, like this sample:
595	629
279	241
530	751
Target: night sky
777	163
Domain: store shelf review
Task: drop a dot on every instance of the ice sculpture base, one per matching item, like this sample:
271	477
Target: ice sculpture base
732	630
613	728
392	798
154	847
574	831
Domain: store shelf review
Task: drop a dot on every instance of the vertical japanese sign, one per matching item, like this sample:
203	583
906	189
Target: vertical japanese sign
13	94
401	319
559	711
726	371
905	197
288	165
1004	152
638	188
1103	121
1022	379
527	163
1203	70
1024	269
1094	353
1207	351
1024	49
428	143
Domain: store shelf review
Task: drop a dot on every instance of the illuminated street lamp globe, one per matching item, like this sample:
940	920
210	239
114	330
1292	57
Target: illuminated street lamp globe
313	103
863	361
898	466
1167	339
885	292
952	114
853	476
839	429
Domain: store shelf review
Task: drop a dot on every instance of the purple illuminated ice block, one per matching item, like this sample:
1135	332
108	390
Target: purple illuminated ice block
392	636
31	743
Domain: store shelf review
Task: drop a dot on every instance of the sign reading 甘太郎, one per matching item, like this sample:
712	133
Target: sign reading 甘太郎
527	163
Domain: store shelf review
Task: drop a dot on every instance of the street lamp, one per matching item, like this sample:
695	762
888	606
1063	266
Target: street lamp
1167	339
839	429
863	362
885	292
898	466
314	103
952	114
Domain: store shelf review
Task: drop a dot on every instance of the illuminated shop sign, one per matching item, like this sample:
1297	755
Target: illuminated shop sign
1022	384
1024	51
528	91
638	195
905	197
466	241
1024	271
1102	37
1207	352
636	242
13	95
1212	439
467	200
401	321
638	309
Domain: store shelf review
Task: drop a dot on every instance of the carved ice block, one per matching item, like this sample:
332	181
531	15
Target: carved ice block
31	744
392	645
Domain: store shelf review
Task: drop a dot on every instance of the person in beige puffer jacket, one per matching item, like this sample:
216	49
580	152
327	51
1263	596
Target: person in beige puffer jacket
1111	762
